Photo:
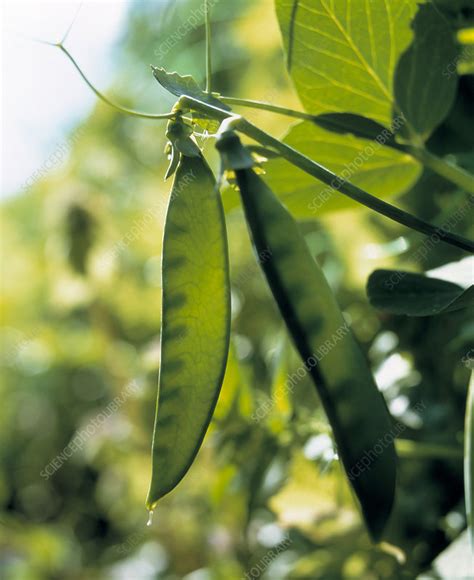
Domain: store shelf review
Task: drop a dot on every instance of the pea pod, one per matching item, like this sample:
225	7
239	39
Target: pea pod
354	406
469	460
195	322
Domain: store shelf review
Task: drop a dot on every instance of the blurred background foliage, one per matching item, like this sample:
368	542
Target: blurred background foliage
81	314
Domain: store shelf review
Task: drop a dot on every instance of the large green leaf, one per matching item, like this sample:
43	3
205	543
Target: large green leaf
342	54
413	294
379	170
195	323
426	78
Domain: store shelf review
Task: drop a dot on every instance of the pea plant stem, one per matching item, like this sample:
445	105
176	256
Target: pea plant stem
449	171
208	47
351	190
267	107
326	176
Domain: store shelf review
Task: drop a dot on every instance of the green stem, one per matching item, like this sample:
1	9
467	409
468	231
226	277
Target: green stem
105	99
208	48
326	176
351	190
447	170
451	172
268	107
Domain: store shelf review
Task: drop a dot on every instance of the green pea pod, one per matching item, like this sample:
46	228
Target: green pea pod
469	460
195	323
355	408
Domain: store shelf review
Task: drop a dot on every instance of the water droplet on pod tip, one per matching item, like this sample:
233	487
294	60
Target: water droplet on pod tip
150	518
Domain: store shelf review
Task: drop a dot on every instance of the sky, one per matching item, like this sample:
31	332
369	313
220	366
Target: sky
42	96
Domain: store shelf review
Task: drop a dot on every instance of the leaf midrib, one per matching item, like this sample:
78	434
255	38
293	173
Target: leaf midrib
349	42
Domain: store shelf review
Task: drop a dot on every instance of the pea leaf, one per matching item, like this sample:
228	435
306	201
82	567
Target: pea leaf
342	55
184	85
381	171
412	294
425	78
